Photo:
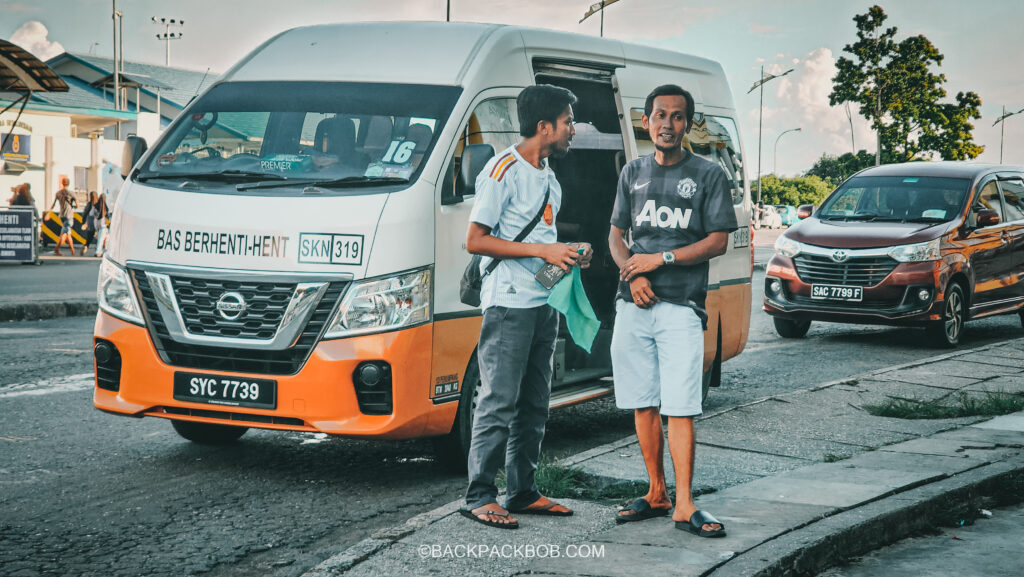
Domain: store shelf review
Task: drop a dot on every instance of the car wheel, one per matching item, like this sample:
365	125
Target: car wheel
789	329
452	450
207	433
946	332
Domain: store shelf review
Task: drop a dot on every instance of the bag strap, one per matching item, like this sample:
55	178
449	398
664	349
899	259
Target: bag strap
527	230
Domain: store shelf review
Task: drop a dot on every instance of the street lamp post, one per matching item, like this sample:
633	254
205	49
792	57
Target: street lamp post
167	35
1002	128
598	7
760	111
775	154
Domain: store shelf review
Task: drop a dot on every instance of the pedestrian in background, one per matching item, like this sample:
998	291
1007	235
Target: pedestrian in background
68	204
679	211
89	215
22	197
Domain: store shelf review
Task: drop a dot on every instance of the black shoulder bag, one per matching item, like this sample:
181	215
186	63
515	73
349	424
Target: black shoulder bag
472	279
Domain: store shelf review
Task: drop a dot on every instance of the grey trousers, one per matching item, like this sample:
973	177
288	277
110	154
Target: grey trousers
515	355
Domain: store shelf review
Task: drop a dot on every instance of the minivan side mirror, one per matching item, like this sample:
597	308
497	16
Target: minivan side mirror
134	148
474	157
804	210
987	217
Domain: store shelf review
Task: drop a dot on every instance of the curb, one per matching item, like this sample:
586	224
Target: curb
830	541
48	310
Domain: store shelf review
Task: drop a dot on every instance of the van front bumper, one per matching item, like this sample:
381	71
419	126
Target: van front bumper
321	397
893	301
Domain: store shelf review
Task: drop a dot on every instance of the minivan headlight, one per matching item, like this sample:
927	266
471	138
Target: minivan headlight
383	304
920	252
788	247
115	294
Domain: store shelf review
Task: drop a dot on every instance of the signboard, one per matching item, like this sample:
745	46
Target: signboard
17	147
16	235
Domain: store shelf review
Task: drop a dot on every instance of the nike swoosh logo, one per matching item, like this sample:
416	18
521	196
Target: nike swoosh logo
639	186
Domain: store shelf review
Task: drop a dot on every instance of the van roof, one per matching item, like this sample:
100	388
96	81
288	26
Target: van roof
437	53
949	168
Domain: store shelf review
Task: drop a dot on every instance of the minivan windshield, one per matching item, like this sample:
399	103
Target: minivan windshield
280	136
897	198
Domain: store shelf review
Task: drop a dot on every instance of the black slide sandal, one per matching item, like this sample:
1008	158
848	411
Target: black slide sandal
642	511
696	525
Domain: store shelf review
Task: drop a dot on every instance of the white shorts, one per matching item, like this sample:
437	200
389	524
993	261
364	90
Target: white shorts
658	358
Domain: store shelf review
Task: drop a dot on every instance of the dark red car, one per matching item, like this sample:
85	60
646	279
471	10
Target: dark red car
930	244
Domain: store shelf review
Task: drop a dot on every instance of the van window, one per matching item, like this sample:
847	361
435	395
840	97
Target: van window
713	138
1013	196
284	136
494	122
897	198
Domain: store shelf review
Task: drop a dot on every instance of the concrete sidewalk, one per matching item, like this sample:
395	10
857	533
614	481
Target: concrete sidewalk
57	287
801	481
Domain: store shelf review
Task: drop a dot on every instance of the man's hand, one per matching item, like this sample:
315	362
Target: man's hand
558	254
639	264
588	253
643	296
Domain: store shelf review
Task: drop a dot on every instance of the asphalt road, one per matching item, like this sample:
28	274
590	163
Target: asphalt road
85	493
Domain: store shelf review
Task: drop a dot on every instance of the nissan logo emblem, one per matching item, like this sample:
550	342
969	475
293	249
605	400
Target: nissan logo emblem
840	255
231	306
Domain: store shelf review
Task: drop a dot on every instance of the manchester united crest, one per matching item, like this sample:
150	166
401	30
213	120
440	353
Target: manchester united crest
687	187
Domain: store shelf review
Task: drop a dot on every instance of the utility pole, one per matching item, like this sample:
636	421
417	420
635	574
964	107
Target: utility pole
775	154
167	35
1002	128
598	7
448	13
760	112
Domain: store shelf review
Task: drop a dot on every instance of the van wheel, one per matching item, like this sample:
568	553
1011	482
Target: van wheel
1021	313
945	332
452	450
712	377
208	434
788	329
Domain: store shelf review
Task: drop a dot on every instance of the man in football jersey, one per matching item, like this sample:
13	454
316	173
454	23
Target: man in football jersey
517	337
678	208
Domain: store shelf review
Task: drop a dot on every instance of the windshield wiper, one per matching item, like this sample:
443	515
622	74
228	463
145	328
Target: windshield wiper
348	181
219	175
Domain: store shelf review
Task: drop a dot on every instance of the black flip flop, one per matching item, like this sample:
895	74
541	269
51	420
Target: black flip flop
696	525
642	511
471	515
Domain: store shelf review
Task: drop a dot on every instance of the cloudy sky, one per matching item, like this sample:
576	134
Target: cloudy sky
981	46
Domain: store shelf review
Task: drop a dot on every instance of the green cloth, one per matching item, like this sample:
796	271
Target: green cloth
569	298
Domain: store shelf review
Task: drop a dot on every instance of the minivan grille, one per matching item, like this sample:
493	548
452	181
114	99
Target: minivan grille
265	302
198	292
857	271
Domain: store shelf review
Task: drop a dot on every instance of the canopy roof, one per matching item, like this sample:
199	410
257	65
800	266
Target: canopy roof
22	72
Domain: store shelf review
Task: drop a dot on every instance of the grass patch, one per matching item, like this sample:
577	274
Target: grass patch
560	482
833	458
961	405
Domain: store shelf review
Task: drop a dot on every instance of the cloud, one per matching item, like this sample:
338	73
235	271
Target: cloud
32	37
764	30
18	8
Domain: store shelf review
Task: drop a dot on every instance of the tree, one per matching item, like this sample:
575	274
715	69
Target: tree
897	91
836	169
794	191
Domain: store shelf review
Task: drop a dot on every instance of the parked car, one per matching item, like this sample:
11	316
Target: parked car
787	213
770	218
932	244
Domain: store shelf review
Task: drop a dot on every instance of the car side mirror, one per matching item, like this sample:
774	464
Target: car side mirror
474	157
134	148
987	217
804	210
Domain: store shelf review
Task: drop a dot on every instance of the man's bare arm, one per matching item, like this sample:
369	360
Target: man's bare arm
480	241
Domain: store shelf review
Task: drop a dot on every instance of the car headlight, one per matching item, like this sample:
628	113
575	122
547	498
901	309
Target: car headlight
383	304
786	246
115	294
919	252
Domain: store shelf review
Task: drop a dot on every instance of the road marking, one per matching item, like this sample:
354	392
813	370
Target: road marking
49	386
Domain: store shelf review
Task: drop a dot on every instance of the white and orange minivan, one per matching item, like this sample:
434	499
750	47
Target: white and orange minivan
287	255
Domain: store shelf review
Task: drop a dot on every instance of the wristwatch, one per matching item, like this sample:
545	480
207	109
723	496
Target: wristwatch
668	257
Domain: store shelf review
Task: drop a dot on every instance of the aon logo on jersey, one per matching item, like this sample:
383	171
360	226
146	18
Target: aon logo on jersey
663	216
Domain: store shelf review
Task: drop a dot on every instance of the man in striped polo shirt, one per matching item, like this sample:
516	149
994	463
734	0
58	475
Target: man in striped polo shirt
517	338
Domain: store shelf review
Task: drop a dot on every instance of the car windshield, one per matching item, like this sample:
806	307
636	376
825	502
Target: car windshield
283	136
897	198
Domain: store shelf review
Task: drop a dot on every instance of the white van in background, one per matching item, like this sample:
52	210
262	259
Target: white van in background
287	255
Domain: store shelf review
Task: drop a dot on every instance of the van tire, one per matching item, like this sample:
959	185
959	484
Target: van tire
452	450
207	433
789	329
945	333
710	376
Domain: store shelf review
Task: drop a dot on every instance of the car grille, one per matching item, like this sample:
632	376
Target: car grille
857	271
867	304
197	297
